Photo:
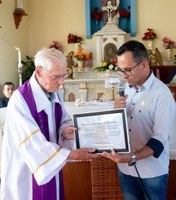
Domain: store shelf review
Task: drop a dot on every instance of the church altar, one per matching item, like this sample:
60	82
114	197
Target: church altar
89	86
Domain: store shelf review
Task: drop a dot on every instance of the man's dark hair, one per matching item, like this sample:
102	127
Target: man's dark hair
8	83
136	48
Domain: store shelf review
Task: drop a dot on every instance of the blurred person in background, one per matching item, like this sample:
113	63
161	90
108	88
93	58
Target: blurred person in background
8	89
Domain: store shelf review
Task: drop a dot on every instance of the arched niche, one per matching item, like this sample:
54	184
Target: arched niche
126	25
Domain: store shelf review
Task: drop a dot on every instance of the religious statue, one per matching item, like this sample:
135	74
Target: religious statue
110	52
110	8
70	64
154	57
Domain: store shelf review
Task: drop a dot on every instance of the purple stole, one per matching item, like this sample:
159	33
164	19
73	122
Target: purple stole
48	190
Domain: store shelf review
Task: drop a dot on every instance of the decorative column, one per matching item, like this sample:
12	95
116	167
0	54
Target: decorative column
83	91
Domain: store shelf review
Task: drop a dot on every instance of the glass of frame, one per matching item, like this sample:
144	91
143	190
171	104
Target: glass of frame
102	130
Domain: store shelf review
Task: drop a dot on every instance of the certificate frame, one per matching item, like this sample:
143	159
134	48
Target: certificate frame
102	130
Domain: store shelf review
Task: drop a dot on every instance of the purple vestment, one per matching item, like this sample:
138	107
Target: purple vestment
48	190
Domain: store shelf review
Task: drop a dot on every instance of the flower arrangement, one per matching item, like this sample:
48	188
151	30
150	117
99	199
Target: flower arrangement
149	35
79	55
125	12
107	66
74	38
57	45
168	44
97	14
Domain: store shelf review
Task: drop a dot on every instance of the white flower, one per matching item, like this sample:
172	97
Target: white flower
111	66
116	68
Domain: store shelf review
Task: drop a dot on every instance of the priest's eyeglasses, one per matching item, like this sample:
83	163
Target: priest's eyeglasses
58	76
128	71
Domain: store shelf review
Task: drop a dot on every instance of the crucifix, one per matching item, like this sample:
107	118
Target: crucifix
109	8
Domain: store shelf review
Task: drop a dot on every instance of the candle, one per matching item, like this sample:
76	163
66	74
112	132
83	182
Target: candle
19	57
20	4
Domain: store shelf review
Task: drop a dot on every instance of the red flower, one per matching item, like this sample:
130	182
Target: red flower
97	14
73	38
149	35
125	12
114	61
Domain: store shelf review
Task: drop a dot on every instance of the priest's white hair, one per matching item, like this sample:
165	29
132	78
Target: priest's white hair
47	57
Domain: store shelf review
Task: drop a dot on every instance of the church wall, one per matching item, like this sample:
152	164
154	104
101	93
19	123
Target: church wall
65	19
9	38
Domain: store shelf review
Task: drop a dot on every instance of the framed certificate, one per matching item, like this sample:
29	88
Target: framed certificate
102	130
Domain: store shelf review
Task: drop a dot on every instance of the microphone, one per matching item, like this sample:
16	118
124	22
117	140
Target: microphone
121	87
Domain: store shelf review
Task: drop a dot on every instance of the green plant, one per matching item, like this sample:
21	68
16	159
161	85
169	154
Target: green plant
28	68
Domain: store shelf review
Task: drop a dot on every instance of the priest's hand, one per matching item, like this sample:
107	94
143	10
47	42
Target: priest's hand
83	154
68	132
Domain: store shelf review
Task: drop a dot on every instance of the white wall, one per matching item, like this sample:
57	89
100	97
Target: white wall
58	18
159	15
9	38
55	21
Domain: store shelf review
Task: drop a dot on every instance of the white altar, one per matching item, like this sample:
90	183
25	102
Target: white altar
89	86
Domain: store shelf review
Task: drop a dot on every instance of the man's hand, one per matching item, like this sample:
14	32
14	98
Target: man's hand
68	132
118	158
83	154
120	102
